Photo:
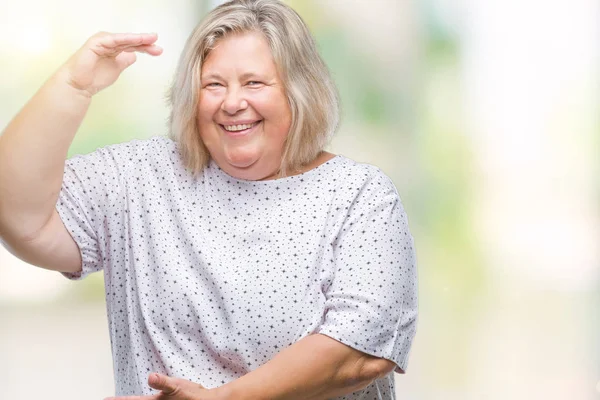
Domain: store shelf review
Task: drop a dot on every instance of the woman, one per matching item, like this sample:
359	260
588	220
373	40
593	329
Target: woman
241	260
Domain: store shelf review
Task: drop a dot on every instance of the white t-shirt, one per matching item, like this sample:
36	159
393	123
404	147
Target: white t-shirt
208	278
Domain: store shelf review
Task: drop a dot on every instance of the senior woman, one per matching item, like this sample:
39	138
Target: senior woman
241	260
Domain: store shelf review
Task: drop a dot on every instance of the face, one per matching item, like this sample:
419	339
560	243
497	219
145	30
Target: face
243	113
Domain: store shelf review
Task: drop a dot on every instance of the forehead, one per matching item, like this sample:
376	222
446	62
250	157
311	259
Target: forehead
239	53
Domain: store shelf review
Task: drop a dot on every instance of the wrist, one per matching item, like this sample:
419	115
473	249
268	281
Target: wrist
223	393
63	78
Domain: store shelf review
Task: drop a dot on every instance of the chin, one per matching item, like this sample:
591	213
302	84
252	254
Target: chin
250	169
241	159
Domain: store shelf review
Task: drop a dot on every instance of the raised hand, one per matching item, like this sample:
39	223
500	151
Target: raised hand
100	61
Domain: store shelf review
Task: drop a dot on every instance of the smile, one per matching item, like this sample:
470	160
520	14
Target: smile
240	129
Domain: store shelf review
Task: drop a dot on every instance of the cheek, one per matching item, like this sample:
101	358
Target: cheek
275	109
205	123
207	107
285	117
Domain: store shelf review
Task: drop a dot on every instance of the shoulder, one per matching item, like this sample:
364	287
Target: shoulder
155	150
126	151
364	179
148	148
123	159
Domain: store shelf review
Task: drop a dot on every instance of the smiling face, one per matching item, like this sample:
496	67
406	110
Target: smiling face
243	113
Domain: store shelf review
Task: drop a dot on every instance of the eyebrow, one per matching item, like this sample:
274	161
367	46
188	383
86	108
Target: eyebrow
214	75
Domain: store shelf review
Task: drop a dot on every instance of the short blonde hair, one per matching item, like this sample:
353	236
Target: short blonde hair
311	93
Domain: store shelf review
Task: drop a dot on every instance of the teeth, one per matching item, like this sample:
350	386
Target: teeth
235	128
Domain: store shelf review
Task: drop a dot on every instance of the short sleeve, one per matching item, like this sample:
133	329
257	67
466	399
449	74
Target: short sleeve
89	195
371	303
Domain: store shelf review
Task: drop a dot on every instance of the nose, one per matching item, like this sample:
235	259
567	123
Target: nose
234	101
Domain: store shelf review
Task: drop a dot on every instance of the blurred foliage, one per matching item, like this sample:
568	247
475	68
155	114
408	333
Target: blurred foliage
363	98
450	263
88	290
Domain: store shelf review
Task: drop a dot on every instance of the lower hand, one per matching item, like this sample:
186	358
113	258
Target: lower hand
172	389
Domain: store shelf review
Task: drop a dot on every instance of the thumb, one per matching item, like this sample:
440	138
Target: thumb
161	382
125	59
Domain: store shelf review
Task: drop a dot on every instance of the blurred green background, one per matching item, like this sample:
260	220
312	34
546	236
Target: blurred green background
484	114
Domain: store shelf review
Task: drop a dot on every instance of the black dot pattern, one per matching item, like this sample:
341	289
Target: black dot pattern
208	278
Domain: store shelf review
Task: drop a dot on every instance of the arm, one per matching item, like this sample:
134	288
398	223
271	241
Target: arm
34	145
33	149
33	152
316	367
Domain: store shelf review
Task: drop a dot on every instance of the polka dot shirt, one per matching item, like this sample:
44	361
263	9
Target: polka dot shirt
208	278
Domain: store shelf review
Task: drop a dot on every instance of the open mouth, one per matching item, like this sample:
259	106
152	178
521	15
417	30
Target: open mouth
241	129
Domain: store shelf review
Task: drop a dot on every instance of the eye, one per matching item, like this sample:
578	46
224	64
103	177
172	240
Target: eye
213	84
254	83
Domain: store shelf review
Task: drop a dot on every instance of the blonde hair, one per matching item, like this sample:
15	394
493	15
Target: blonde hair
311	93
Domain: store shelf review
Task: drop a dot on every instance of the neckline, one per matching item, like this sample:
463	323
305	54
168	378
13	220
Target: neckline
213	165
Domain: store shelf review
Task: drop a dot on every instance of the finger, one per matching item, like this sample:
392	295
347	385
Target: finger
127	39
167	384
119	40
151	49
112	45
184	384
103	51
125	59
